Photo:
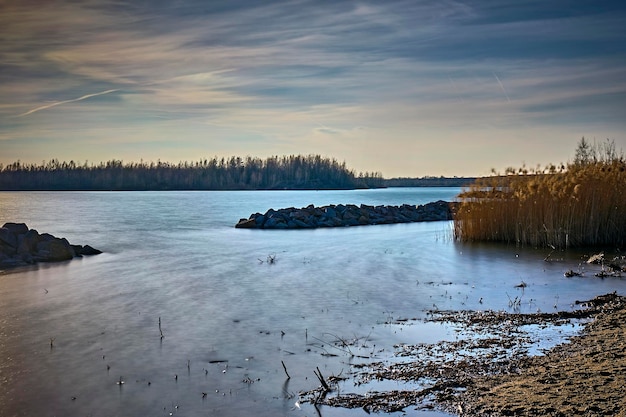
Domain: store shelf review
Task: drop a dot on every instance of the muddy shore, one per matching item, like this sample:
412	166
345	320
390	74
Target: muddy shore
492	374
584	377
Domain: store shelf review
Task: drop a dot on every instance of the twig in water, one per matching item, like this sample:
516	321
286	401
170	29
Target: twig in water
344	343
285	368
330	344
319	376
514	303
160	330
548	258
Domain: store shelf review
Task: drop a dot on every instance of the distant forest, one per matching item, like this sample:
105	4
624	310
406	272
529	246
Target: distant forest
312	172
234	173
430	182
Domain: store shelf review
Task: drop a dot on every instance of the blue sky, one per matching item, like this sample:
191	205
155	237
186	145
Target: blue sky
407	88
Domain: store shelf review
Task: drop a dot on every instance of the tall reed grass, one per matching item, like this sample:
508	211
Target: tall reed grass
583	204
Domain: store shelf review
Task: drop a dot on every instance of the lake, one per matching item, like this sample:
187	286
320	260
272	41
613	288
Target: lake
71	332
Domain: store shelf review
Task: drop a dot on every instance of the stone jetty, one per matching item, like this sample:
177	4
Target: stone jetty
341	215
20	246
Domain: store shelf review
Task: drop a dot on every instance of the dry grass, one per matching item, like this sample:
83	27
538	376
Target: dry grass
578	205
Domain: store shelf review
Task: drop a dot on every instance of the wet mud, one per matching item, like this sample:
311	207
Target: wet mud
492	373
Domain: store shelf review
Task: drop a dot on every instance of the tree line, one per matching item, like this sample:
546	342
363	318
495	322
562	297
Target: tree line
234	173
430	182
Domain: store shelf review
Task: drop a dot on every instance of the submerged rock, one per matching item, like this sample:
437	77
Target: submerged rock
21	246
347	215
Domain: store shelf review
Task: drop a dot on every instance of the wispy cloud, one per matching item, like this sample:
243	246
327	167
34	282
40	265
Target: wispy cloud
502	87
58	103
283	75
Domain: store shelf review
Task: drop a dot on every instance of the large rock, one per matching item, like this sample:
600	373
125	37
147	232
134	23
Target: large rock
22	246
27	243
16	228
247	223
54	250
87	251
347	215
7	238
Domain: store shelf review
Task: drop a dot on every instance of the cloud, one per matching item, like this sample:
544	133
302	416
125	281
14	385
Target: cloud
502	87
58	103
283	72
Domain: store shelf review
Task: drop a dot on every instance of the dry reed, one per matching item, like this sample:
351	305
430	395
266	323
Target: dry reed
583	204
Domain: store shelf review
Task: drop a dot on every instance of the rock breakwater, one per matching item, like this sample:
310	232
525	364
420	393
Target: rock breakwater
341	215
20	246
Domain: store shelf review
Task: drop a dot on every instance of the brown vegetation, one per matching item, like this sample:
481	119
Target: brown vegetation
583	203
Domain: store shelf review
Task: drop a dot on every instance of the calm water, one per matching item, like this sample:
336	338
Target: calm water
228	316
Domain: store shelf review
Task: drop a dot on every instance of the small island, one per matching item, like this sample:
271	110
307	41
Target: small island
21	246
341	215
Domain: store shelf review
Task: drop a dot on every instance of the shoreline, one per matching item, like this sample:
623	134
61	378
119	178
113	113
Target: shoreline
496	376
585	376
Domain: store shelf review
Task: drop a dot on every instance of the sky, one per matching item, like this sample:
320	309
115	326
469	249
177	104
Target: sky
404	88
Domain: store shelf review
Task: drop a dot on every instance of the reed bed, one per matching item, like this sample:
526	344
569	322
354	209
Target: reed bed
583	204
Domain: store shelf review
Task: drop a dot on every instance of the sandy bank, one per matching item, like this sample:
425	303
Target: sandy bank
584	377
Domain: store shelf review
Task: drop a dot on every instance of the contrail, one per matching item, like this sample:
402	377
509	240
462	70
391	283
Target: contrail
57	103
502	87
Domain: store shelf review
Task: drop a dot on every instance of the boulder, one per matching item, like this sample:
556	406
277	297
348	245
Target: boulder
330	212
259	219
85	250
7	237
54	250
16	228
27	243
20	246
246	224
